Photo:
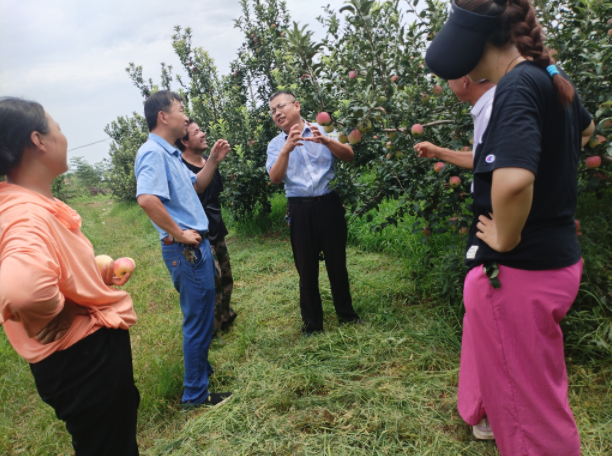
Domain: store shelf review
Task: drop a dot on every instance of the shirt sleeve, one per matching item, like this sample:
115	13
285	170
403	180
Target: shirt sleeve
151	178
273	153
29	278
513	137
585	117
193	176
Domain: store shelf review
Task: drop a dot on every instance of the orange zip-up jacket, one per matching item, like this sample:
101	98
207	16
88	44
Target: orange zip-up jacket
45	259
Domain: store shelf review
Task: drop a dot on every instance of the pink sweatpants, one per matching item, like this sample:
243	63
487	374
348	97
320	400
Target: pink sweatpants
512	360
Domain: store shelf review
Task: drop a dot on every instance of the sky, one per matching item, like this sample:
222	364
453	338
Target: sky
71	55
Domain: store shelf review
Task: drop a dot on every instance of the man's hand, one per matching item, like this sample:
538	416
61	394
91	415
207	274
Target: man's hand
189	237
317	136
487	231
219	151
427	150
293	139
59	326
109	277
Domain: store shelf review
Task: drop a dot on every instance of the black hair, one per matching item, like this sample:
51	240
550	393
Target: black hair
520	25
159	101
179	145
282	92
19	118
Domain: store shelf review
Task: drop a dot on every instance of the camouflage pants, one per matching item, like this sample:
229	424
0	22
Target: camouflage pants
224	284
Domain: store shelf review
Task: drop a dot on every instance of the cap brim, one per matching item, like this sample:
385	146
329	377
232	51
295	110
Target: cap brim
455	51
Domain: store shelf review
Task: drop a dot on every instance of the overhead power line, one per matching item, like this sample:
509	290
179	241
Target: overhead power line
90	144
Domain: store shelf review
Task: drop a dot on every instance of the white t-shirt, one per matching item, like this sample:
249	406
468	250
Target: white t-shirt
481	113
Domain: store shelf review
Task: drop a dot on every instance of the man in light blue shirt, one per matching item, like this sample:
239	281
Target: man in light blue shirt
303	157
166	190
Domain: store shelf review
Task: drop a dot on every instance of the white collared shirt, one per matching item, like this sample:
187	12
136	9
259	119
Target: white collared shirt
481	113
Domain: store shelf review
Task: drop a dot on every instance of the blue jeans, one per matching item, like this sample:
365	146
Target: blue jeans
195	283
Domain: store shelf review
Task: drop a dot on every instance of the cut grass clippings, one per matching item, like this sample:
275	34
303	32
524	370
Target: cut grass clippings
383	388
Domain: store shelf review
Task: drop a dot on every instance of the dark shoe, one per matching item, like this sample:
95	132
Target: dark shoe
230	320
214	399
306	334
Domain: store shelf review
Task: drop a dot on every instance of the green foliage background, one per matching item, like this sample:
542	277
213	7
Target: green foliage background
387	188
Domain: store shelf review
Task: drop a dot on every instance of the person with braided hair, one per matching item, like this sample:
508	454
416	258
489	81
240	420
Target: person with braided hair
523	254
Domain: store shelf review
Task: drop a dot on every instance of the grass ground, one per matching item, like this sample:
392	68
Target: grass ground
385	388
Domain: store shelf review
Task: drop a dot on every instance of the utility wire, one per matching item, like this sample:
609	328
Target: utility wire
90	144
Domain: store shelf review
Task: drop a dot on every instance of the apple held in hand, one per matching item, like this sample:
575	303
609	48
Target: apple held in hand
354	136
323	118
455	181
593	162
124	266
438	166
103	260
416	130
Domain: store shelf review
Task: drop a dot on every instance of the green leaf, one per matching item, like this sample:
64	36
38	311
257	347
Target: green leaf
347	8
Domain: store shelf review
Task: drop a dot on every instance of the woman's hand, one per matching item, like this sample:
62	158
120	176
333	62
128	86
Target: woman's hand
59	326
487	232
109	277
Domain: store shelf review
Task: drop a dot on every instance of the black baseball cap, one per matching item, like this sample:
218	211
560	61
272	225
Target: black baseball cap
457	48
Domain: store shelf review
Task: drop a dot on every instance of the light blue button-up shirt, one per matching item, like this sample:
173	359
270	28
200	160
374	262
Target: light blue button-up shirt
310	166
161	172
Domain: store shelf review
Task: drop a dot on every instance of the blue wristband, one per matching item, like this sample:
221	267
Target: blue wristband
552	70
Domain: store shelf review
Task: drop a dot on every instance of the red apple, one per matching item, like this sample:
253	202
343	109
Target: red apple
394	78
463	230
577	222
593	162
607	124
352	74
124	266
103	260
273	25
438	166
426	231
354	136
236	73
610	32
323	118
417	130
389	145
343	139
455	181
374	137
437	90
389	156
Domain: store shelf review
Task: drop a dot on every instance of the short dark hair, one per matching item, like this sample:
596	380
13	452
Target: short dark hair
159	101
18	119
179	145
282	92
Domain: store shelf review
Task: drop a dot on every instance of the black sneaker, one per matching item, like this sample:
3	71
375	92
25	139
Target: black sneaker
214	399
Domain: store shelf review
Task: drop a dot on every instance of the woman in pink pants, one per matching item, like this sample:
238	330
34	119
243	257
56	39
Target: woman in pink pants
523	254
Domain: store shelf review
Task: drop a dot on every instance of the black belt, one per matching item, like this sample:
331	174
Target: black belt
169	240
312	199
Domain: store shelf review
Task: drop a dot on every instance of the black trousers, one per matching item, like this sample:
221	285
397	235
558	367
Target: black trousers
320	227
90	385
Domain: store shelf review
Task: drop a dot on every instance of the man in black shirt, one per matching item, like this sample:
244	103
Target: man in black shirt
192	147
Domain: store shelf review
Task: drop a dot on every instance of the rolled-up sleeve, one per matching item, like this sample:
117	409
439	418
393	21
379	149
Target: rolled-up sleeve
274	149
29	278
151	178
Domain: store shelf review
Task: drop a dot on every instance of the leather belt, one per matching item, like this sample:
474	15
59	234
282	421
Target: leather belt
312	199
169	240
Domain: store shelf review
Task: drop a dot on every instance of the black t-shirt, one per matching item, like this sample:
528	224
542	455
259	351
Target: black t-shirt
530	129
210	202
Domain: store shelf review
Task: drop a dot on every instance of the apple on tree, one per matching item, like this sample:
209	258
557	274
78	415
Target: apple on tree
343	139
323	118
352	74
593	162
438	166
354	136
417	130
437	90
454	181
